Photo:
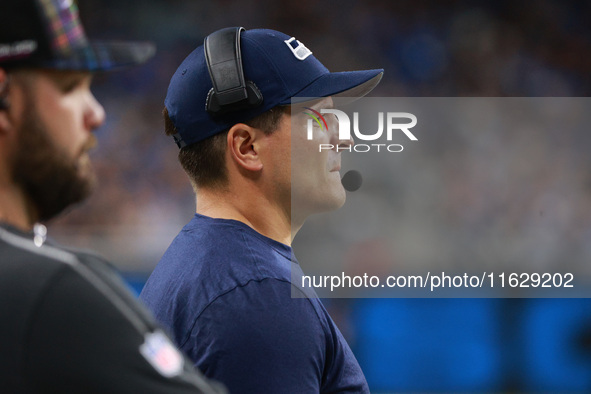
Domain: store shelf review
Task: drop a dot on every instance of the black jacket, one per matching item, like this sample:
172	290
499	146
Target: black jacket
68	324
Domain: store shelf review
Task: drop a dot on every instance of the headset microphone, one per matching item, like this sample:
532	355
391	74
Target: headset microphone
3	104
352	180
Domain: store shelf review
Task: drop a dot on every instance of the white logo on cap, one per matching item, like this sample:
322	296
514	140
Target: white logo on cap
17	49
298	49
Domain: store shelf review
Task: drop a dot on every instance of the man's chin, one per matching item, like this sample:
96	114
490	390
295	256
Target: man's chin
338	195
339	199
87	178
85	171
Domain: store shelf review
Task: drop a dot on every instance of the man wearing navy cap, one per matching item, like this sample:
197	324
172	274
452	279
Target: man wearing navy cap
224	284
69	324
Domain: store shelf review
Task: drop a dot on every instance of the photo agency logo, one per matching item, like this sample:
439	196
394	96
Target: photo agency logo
395	122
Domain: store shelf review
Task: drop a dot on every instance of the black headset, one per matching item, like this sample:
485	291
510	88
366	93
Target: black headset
3	104
230	91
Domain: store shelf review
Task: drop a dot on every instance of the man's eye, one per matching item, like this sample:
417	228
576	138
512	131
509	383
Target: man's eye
70	86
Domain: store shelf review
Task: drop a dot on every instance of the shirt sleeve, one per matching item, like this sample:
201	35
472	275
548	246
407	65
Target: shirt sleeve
80	341
257	339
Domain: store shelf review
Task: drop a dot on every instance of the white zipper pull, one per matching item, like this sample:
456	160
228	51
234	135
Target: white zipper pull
40	232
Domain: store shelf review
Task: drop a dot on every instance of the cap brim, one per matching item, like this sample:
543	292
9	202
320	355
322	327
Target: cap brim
340	84
102	56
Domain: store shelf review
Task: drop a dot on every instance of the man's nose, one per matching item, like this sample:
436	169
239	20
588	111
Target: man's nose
333	128
95	113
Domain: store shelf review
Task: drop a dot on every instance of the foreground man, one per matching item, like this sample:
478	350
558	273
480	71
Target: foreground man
224	285
68	323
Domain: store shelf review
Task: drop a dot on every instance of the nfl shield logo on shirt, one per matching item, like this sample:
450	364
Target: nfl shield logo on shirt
162	354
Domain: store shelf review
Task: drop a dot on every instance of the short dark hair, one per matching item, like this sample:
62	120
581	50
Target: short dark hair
204	161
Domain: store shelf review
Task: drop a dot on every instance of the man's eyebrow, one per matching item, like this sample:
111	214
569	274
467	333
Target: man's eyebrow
327	106
302	107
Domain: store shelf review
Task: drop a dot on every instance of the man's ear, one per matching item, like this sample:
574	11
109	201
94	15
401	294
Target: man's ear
243	143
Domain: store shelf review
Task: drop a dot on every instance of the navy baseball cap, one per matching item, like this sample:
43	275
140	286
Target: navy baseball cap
279	65
49	34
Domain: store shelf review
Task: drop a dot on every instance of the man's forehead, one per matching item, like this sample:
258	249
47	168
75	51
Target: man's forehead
64	75
325	103
54	75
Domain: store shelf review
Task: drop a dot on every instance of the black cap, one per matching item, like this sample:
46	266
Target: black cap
49	34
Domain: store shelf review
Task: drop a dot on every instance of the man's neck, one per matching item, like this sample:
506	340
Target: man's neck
262	215
14	209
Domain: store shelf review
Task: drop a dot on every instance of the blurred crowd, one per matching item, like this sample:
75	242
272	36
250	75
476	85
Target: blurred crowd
428	48
447	48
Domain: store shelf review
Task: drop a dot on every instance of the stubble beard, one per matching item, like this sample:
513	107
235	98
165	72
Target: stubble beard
48	177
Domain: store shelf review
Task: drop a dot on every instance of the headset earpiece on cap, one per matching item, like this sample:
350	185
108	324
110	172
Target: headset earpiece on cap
230	91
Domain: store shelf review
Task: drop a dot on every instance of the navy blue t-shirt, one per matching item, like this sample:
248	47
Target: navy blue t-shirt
225	292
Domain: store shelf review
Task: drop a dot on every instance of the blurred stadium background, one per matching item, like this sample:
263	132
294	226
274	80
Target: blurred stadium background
428	48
